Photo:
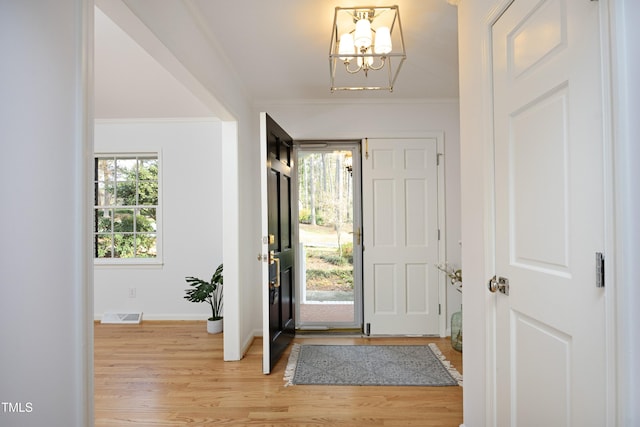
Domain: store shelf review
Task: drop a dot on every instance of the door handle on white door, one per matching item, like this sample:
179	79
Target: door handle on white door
493	284
358	234
500	284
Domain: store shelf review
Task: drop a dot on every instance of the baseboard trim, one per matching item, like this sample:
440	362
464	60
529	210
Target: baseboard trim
246	345
191	317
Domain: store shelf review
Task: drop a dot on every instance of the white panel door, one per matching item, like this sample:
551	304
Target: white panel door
549	204
400	229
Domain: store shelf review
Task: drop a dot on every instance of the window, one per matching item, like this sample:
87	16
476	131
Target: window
126	207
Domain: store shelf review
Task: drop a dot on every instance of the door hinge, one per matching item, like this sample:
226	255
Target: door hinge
599	270
438	234
438	158
367	329
439	309
366	148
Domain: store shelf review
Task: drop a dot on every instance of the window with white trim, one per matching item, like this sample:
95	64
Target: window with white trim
126	207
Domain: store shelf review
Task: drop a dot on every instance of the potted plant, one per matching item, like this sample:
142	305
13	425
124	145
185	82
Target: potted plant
211	292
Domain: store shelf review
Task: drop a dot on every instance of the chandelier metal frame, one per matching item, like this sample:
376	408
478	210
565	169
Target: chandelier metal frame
366	66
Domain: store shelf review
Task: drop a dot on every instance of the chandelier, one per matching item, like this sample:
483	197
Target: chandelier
367	48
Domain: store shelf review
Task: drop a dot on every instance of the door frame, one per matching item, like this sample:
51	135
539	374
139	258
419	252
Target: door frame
329	145
443	280
264	239
439	136
490	326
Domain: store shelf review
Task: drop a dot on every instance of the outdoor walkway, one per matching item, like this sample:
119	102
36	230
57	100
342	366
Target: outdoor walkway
326	312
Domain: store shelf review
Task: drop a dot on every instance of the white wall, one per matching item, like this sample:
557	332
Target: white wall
377	119
45	269
191	191
209	78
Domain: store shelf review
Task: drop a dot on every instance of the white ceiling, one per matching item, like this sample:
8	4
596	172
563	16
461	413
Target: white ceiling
129	82
279	48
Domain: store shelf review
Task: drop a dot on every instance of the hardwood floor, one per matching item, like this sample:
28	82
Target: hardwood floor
172	374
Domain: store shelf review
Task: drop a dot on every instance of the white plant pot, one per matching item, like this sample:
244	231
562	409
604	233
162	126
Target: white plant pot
214	326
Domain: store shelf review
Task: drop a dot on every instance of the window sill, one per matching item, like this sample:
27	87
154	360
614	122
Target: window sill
128	263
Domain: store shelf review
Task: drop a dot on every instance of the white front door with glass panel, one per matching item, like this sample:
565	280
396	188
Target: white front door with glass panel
329	236
400	229
550	348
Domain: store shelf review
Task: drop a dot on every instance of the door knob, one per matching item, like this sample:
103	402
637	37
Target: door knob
493	284
500	284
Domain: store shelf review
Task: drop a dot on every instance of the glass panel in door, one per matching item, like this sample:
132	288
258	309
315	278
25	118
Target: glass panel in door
328	238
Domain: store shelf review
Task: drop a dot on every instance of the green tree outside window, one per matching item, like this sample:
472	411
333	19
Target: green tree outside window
125	207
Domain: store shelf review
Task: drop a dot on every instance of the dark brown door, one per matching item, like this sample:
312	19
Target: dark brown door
281	301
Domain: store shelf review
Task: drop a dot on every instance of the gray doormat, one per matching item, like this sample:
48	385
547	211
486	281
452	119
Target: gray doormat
398	365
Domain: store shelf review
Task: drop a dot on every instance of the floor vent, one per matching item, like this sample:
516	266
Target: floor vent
128	318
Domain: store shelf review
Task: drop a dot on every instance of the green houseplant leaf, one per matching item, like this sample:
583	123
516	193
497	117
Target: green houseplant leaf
210	292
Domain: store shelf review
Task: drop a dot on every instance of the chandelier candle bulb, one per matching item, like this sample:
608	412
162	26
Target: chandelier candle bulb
347	48
363	34
383	41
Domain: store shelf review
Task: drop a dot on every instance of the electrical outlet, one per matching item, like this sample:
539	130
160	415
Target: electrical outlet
132	292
